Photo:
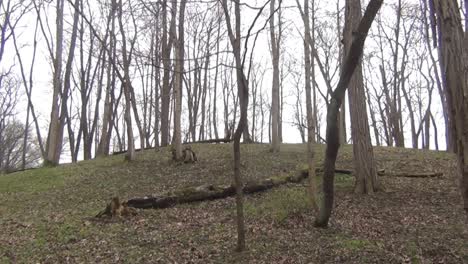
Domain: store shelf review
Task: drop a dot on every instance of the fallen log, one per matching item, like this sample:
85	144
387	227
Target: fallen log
348	172
125	151
415	174
211	141
210	192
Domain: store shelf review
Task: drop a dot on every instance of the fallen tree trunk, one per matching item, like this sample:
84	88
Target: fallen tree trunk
210	141
211	192
349	172
125	151
415	174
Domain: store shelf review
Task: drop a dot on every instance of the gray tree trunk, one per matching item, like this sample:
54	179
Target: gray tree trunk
453	47
364	163
275	55
333	142
179	72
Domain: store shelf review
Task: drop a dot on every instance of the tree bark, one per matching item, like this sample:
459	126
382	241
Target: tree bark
179	72
453	47
127	86
107	119
275	55
308	64
333	143
166	56
52	145
243	94
364	163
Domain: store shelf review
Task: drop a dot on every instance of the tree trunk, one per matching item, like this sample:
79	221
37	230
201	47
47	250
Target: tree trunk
107	123
308	41
439	82
53	143
127	86
179	72
364	163
215	86
67	81
333	143
243	93
275	55
28	85
453	47
166	56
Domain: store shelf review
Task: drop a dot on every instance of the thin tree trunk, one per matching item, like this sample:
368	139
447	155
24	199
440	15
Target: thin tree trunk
53	142
215	86
179	72
166	56
127	86
342	116
309	40
275	54
333	142
243	93
107	123
28	85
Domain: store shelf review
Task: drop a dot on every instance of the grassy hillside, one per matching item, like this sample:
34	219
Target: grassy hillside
46	214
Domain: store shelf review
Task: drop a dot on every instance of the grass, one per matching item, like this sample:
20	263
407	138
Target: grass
46	214
279	204
351	244
32	181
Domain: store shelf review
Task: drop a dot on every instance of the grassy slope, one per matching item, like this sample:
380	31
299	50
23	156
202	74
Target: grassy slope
44	213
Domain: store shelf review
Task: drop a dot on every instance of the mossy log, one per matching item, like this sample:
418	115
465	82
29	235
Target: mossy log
212	141
416	174
210	192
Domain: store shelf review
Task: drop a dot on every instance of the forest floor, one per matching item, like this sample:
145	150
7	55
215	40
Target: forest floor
46	214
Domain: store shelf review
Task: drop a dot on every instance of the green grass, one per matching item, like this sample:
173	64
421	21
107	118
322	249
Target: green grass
31	181
344	181
279	204
353	244
412	249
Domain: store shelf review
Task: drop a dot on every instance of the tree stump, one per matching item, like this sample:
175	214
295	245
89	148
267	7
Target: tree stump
117	209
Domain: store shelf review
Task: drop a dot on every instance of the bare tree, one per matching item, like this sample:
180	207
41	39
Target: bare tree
243	95
453	47
437	74
308	40
27	80
275	39
333	143
54	145
8	101
109	100
11	153
127	87
364	163
179	72
18	149
167	43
